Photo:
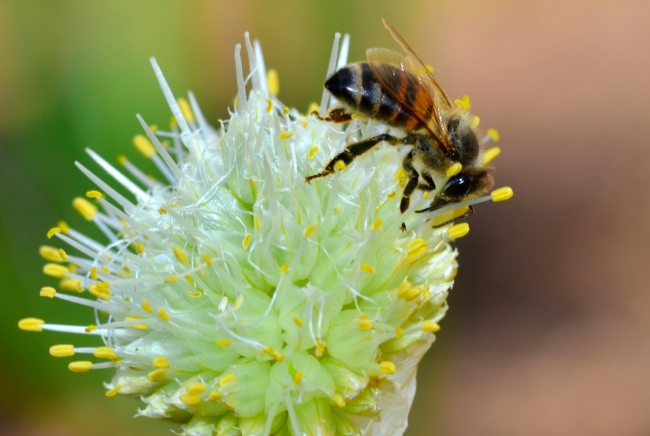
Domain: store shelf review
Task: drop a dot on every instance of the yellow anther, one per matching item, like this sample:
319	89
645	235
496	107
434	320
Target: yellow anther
144	146
493	134
162	211
269	105
104	353
429	68
450	216
84	207
412	293
399	332
258	224
238	302
285	135
387	367
430	326
136	326
367	268
186	110
50	253
105	270
425	195
225	379
502	194
309	230
417	248
215	395
490	155
247	240
31	324
90	328
320	348
339	165
298	321
277	355
171	279
47	291
337	211
196	294
207	260
377	224
196	388
312	153
180	255
190	399
139	248
284	269
93	194
474	122
339	400
223	342
56	271
113	391
72	267
122	160
146	306
153	127
62	350
163	315
63	226
53	231
157	375
173	122
189	278
286	111
93	273
297	378
463	103
364	324
80	366
401	177
403	289
392	194
160	362
273	82
100	292
458	231
454	169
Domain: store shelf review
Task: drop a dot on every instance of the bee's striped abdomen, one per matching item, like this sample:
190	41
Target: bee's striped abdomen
356	87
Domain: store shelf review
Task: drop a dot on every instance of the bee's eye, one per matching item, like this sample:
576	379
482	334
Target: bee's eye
458	186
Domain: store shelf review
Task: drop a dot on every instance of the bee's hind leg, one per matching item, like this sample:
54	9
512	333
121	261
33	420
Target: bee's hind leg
335	115
352	151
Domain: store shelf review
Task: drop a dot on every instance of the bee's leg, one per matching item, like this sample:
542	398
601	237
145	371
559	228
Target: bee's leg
430	184
411	184
352	151
335	115
469	212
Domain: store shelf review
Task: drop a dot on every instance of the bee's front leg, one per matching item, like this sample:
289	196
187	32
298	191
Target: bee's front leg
335	115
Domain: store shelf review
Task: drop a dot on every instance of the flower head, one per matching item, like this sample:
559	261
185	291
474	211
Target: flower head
238	299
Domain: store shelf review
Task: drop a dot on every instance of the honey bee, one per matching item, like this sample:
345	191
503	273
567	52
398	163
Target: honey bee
400	92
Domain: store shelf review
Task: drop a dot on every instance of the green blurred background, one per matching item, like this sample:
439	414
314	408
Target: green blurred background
549	327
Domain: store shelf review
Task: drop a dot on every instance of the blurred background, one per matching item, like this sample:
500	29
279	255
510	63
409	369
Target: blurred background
549	327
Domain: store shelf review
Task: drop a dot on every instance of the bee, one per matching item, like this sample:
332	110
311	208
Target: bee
400	92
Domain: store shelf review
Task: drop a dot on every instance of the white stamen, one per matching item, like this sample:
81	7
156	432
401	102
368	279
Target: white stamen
261	68
126	204
330	71
241	85
169	96
121	178
177	174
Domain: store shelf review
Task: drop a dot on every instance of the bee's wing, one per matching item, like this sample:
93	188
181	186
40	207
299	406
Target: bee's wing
394	73
418	67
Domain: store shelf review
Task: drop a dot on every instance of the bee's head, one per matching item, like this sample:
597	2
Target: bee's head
466	185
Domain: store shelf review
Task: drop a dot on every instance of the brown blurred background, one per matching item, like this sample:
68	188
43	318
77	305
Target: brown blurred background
549	327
